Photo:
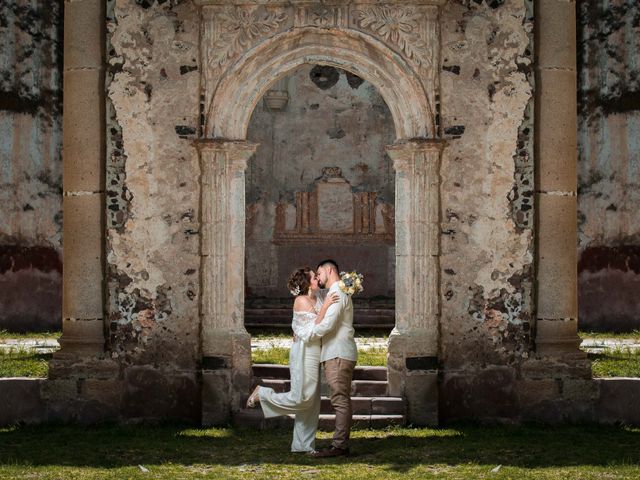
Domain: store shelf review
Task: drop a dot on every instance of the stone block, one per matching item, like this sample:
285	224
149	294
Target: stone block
487	395
151	394
557	257
216	397
533	392
82	294
556	131
556	34
421	393
84	131
389	406
84	33
106	391
618	402
21	401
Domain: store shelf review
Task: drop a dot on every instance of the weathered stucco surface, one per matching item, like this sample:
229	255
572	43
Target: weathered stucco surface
153	195
609	165
487	204
30	165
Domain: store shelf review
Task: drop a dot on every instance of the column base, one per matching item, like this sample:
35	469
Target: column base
81	338
412	373
558	338
226	376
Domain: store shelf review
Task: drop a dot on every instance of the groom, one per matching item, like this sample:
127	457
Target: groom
339	355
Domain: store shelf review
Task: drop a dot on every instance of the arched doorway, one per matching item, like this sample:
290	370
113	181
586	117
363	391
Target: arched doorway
229	99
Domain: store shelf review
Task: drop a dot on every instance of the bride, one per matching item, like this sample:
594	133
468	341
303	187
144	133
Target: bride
303	399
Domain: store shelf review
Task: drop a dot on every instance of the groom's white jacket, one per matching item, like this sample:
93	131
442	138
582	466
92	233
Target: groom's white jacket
336	328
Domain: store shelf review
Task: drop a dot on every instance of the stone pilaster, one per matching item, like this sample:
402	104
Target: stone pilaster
413	344
226	345
556	150
83	180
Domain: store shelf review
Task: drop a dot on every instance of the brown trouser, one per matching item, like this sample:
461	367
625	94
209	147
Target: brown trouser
339	373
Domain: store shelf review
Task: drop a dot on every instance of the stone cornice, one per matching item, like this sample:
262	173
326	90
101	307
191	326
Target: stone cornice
318	2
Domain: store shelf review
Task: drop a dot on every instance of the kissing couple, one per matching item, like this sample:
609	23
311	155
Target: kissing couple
323	334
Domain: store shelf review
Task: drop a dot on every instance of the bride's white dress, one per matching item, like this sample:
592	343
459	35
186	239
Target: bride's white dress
303	399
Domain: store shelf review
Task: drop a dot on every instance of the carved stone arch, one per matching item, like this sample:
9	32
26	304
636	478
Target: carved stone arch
245	82
232	85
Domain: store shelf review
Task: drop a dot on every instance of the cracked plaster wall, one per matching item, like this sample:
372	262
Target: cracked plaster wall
152	183
487	205
609	165
30	165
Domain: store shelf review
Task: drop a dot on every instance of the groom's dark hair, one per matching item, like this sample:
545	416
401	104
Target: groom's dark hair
329	261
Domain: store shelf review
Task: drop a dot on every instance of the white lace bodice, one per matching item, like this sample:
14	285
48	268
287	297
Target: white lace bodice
302	324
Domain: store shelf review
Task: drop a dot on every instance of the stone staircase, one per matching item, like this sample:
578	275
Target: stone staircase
372	407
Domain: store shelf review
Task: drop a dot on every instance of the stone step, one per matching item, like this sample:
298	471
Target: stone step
262	370
359	388
253	418
369	405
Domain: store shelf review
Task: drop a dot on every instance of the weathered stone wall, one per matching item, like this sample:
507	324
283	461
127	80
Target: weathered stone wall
152	197
609	164
338	122
487	205
30	165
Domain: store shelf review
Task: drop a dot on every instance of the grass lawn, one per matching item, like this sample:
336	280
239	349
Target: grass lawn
634	335
4	334
621	362
23	363
466	452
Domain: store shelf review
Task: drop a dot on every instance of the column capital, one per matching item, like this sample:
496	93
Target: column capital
404	154
236	152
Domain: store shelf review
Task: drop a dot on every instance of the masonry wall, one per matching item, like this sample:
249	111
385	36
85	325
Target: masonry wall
609	165
30	165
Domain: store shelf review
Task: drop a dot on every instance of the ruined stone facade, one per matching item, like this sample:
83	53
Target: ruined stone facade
485	290
609	165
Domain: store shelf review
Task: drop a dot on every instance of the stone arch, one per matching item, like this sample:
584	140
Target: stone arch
224	152
245	82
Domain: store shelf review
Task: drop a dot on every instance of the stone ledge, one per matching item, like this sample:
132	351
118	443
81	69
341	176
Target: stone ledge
618	400
21	400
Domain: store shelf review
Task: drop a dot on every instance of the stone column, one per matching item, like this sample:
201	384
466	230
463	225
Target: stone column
226	345
413	343
83	179
556	178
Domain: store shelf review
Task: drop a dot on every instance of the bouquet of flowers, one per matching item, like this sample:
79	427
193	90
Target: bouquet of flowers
351	282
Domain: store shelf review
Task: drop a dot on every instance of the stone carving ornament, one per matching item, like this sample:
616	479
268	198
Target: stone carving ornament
232	27
399	26
238	28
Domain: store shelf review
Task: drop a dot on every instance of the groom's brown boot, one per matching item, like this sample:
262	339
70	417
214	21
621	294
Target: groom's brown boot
330	452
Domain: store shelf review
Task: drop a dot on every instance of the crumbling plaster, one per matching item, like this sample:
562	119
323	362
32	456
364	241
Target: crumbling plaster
487	251
153	246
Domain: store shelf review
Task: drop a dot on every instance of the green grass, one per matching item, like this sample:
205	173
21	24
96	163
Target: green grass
5	334
634	335
465	452
621	362
280	356
23	363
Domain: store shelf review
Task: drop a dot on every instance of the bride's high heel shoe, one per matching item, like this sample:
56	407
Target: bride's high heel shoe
254	398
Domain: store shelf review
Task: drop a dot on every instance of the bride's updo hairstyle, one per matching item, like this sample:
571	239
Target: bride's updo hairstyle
299	281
